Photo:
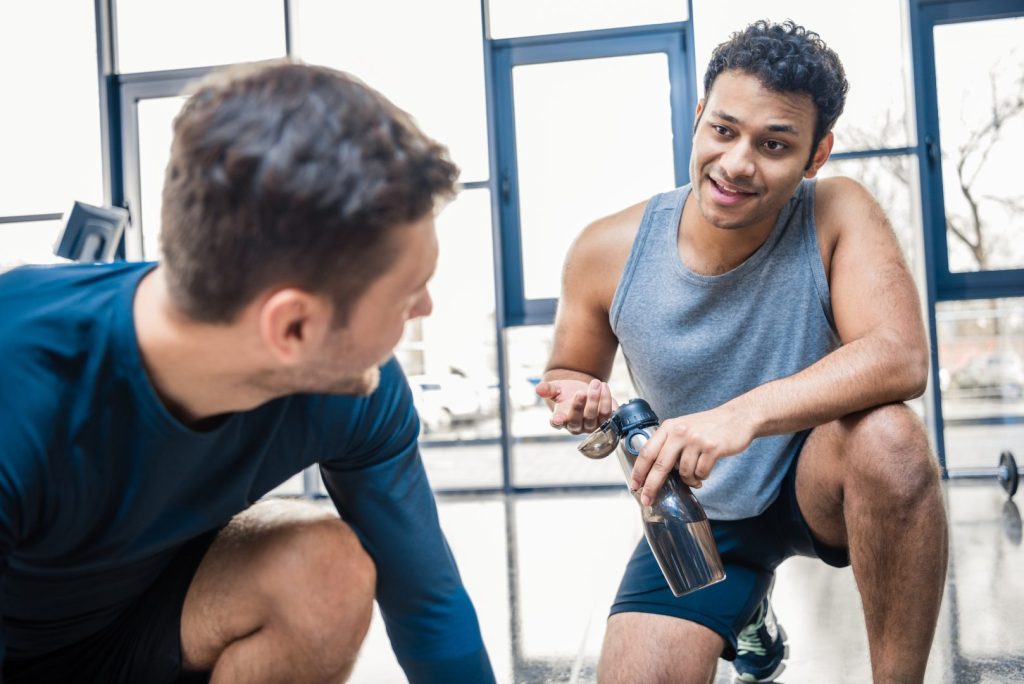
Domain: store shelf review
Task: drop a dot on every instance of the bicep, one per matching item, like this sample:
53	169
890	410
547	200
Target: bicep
871	285
583	336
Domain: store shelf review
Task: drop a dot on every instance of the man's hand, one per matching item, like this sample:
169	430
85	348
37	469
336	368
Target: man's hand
577	406
693	444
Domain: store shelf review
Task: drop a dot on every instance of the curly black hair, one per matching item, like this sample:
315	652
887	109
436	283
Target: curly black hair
786	58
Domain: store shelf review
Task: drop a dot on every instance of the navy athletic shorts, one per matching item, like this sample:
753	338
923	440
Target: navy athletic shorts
751	549
143	644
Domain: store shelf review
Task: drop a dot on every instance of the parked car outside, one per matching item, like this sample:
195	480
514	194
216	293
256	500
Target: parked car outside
994	374
447	400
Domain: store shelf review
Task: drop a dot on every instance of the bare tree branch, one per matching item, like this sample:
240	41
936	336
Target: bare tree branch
951	227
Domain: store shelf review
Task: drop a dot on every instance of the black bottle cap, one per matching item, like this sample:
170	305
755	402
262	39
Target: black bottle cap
635	413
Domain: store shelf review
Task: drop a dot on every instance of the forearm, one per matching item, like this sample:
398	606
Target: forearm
567	374
430	619
871	371
380	487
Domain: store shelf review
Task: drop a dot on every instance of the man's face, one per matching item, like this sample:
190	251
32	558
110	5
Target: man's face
750	150
349	360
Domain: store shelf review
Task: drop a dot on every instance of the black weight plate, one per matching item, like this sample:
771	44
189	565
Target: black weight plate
1006	460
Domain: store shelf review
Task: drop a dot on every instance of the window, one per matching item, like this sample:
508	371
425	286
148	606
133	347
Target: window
439	78
592	137
542	455
981	376
510	18
28	242
156	117
49	123
876	113
979	85
153	36
450	357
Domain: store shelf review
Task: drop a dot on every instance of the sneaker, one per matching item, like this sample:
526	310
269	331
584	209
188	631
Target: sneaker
761	647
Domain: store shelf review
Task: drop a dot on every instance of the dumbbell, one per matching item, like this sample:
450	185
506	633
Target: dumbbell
1006	472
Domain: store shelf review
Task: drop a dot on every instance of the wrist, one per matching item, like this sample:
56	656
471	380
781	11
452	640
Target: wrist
555	374
747	410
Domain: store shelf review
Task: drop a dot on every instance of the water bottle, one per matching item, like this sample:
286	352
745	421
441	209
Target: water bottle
675	524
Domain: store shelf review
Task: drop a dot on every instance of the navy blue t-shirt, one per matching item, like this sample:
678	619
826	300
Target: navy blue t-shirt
100	484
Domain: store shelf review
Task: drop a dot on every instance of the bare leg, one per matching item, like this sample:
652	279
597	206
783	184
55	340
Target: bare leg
869	482
656	649
284	594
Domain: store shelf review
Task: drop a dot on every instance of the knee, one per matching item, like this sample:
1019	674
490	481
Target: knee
328	561
326	584
888	455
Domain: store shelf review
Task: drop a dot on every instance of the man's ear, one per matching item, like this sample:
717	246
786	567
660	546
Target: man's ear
293	323
820	156
700	110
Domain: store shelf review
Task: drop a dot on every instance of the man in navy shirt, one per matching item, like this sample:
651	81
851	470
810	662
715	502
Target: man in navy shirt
145	408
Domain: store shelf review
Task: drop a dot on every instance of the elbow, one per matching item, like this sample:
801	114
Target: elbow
906	367
915	373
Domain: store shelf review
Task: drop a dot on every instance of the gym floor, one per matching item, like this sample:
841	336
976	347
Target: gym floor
542	570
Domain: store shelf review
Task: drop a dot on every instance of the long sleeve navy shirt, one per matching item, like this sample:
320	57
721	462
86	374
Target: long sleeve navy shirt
100	484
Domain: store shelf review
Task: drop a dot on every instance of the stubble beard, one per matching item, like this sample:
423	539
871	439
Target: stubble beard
319	381
362	386
326	382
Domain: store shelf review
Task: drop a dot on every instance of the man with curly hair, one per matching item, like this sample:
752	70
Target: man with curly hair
771	320
144	408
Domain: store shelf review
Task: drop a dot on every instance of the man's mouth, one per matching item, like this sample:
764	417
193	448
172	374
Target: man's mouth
726	193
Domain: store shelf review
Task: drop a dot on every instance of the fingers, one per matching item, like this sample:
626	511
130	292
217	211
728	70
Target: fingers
573	410
605	403
645	461
673	446
546	390
688	459
597	409
583	410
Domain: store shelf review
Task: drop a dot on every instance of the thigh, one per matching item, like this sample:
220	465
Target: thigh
723	609
818	487
272	560
877	451
656	649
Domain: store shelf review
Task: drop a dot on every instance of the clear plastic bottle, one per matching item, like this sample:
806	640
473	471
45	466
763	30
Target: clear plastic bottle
675	524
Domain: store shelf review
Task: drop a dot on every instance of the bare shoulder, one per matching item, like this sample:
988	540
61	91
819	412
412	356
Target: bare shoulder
612	233
841	201
843	206
598	256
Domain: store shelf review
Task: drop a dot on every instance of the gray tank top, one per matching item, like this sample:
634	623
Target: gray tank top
693	342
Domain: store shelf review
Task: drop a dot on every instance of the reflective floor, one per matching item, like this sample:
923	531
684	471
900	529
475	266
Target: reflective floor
542	570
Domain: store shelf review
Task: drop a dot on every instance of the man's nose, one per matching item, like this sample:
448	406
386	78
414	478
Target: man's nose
423	307
738	160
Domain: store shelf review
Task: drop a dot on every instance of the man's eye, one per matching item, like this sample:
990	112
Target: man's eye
720	130
774	145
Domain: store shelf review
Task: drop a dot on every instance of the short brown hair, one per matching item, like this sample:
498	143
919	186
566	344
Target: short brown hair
284	173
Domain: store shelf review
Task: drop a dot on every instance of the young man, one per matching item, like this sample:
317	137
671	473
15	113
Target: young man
143	406
771	322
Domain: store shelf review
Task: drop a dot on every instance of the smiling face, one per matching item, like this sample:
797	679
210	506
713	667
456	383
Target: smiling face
750	151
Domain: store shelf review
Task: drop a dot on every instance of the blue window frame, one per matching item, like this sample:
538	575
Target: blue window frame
503	55
942	284
950	285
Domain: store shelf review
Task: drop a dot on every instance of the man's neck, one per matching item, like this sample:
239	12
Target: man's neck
198	370
709	250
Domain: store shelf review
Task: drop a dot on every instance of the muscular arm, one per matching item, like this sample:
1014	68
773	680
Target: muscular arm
883	359
584	345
